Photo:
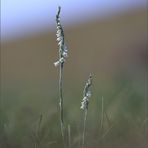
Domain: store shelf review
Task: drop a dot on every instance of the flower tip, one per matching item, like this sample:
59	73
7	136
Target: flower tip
59	7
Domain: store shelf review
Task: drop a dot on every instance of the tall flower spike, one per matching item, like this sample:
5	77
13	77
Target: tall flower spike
86	94
60	38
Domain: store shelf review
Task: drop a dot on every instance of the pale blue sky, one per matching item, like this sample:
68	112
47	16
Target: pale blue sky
20	17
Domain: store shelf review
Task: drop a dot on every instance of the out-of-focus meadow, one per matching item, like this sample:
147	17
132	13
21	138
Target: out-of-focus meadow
114	49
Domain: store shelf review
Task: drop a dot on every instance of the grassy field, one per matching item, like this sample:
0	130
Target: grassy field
28	121
114	50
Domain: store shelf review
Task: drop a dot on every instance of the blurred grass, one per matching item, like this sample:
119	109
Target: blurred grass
124	106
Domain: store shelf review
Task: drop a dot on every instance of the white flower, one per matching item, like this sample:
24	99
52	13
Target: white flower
82	106
61	60
88	94
65	55
56	63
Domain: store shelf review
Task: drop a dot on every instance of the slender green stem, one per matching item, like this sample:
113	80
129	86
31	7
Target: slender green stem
61	99
69	136
84	128
102	116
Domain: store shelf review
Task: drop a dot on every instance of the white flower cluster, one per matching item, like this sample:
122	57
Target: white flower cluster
86	94
60	38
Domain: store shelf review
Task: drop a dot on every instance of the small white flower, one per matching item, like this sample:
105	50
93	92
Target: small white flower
88	94
82	105
65	55
59	38
61	60
58	31
56	63
60	43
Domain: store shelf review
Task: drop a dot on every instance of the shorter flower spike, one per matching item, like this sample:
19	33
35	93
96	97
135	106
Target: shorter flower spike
86	94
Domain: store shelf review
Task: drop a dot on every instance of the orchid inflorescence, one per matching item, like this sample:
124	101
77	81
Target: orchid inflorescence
60	38
86	94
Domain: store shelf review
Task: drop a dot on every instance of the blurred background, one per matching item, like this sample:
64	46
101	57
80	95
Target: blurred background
105	38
